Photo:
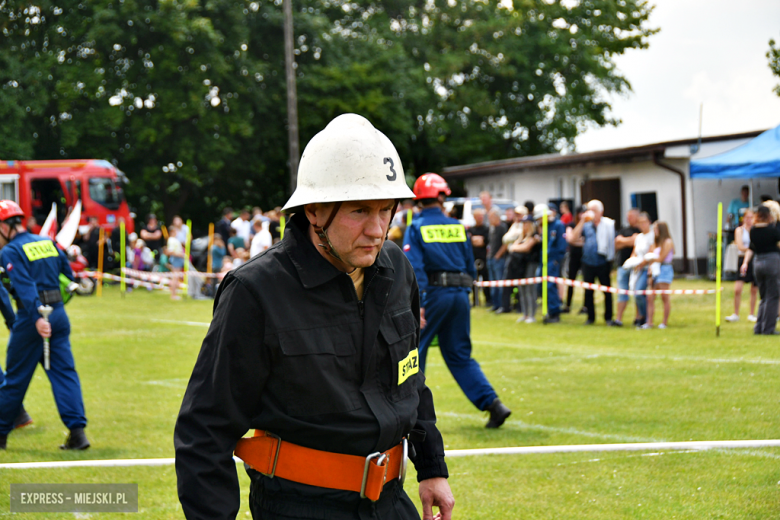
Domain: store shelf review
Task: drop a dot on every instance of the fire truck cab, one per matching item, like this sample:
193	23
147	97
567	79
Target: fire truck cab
35	185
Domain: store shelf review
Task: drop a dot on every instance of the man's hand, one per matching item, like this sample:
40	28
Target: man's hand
43	327
436	492
422	318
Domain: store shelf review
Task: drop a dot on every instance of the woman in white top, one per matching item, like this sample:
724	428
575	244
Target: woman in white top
175	251
742	240
638	281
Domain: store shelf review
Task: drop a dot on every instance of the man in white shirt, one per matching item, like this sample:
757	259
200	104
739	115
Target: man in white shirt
262	239
243	226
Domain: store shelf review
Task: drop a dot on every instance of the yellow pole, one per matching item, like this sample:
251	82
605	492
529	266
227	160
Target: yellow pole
122	252
281	226
209	266
100	263
544	262
164	232
187	252
718	269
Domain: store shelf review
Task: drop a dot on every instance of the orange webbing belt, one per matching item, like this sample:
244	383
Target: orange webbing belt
274	457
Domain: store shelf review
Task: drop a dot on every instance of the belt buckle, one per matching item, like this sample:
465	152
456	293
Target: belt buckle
444	279
404	461
381	457
276	455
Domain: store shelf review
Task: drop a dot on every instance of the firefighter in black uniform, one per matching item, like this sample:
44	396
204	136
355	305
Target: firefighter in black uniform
313	345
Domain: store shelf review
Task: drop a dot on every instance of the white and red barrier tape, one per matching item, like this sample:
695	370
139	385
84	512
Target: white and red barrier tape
586	285
130	281
149	276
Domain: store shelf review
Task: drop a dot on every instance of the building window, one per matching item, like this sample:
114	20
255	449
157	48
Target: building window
647	202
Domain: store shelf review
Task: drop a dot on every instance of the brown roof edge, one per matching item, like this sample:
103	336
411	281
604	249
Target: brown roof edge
552	160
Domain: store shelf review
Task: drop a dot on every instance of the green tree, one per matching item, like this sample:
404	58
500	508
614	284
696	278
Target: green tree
774	61
188	96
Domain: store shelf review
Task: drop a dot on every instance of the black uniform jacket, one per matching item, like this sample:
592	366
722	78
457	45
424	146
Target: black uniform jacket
292	351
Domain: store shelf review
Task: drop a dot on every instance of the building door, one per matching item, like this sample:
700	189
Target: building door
608	192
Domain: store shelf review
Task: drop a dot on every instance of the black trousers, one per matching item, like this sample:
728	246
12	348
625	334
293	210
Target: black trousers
515	268
484	273
575	266
393	504
766	271
589	274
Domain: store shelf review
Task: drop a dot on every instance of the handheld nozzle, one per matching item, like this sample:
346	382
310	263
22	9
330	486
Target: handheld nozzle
45	311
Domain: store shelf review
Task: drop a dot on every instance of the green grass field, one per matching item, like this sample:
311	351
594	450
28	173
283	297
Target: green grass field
566	384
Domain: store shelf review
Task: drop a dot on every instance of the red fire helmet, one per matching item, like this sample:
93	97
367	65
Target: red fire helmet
429	185
8	209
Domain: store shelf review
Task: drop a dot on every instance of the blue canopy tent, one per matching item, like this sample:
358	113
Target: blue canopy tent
759	157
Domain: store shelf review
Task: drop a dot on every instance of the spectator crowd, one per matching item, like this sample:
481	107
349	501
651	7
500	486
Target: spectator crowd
507	245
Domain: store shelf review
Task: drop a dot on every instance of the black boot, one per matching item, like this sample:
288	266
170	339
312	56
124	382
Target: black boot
498	413
77	440
3	441
23	419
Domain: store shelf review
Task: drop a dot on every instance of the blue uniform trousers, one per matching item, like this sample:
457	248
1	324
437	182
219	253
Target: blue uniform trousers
25	351
553	298
447	312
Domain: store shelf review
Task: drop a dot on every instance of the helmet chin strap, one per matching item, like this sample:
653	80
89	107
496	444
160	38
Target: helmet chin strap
322	233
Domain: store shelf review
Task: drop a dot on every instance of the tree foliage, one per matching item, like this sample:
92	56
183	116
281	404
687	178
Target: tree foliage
774	61
188	96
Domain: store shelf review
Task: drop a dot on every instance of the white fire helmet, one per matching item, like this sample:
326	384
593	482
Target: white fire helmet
349	160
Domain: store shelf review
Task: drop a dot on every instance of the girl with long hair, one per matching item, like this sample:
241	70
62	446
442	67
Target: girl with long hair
662	275
742	239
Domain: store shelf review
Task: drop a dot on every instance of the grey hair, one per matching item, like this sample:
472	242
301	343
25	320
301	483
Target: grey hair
596	205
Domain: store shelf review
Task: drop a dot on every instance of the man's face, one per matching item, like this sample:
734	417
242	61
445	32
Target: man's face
632	218
745	195
479	218
486	199
358	230
644	224
494	219
152	223
5	230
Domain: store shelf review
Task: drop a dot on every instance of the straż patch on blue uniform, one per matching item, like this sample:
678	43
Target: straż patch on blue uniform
443	233
40	250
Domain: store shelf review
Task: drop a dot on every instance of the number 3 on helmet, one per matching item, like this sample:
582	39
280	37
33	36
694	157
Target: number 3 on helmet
429	186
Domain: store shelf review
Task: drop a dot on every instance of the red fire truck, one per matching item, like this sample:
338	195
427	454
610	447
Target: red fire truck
35	185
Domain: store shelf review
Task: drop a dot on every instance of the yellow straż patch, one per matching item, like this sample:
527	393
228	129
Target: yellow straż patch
408	366
445	233
38	250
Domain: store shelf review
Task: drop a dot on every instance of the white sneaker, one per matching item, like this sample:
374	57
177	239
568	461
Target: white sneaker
661	326
521	320
646	326
530	320
752	318
733	318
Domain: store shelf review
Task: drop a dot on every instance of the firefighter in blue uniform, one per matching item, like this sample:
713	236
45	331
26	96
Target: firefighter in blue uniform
34	264
556	251
441	254
23	418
